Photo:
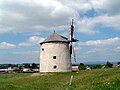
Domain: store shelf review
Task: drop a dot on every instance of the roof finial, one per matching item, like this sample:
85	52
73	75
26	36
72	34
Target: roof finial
72	21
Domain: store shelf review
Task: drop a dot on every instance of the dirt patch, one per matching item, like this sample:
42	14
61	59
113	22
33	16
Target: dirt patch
40	74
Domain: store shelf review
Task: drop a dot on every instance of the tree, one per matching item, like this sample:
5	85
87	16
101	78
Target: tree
108	64
81	66
34	65
26	65
99	66
118	63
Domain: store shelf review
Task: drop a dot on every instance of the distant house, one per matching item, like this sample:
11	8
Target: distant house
3	70
6	70
36	70
88	68
115	65
74	68
29	70
26	70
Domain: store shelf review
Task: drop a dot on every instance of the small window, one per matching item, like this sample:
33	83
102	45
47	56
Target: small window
54	57
54	67
42	49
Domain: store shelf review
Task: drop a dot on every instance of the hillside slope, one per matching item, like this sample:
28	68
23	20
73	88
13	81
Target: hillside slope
99	79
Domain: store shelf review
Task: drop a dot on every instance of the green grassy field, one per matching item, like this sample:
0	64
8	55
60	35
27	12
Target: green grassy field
99	79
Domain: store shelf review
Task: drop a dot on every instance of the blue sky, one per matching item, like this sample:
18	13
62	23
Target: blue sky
25	23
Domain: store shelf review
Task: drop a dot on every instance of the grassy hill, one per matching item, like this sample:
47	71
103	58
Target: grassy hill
99	79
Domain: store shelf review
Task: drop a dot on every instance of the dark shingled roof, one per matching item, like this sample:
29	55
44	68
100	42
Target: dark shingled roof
55	38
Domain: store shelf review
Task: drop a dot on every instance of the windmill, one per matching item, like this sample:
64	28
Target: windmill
71	32
56	51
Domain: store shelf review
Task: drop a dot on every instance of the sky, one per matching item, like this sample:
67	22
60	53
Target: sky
26	23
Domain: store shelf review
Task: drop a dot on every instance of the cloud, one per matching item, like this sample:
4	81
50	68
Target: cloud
99	50
20	56
27	52
117	49
107	16
24	44
37	16
87	25
35	39
78	5
25	16
31	41
110	7
5	45
105	42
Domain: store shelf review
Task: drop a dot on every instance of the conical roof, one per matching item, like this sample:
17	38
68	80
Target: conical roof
55	38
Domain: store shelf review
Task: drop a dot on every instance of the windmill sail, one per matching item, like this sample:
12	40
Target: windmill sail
71	36
72	40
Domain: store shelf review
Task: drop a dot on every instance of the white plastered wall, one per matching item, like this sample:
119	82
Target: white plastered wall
62	61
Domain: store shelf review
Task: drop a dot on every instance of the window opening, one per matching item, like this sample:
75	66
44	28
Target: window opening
55	67
54	57
42	49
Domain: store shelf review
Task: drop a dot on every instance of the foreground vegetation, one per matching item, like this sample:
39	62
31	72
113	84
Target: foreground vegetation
99	79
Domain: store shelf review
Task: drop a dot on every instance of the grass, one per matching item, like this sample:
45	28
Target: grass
99	79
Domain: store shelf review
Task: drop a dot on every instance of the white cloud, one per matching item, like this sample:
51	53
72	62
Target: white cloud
24	44
77	5
109	15
31	41
100	50
36	16
117	49
92	51
111	7
5	45
105	42
35	39
44	15
87	25
26	52
25	16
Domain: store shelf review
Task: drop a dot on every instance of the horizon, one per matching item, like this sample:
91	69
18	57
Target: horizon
86	63
24	24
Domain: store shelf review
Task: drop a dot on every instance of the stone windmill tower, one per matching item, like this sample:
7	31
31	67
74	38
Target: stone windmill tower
55	53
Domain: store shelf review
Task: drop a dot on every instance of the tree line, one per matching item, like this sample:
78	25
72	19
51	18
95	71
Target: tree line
108	64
